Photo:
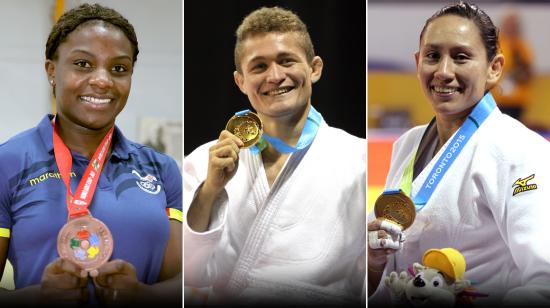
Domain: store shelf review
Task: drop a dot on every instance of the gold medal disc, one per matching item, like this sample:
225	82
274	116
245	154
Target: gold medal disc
395	207
247	127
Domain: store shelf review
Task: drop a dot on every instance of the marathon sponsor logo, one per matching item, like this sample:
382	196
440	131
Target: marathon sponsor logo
447	156
522	185
47	175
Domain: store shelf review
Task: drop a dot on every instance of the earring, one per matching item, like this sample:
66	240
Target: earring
52	82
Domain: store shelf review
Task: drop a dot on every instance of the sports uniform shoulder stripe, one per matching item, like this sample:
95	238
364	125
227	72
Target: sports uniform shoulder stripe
175	214
4	232
14	180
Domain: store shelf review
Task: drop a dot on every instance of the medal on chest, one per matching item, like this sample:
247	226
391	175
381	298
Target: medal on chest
84	240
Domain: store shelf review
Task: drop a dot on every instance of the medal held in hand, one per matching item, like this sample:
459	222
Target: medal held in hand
395	206
247	126
84	240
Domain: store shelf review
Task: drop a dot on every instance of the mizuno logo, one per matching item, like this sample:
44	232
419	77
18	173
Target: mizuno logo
521	185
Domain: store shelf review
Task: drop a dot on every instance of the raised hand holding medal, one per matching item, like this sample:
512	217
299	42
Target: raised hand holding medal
243	130
397	213
84	240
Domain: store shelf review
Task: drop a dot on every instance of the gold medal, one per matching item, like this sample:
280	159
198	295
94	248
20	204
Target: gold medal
395	207
247	127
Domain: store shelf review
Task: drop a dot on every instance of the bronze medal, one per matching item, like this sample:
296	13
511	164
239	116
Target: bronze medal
395	207
86	241
247	127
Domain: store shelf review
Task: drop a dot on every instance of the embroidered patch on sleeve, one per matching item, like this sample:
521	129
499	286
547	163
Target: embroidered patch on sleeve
522	186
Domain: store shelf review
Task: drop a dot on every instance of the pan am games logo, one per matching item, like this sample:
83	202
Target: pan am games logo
523	186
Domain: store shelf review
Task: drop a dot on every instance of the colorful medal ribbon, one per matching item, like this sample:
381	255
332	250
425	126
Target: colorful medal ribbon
78	203
309	132
457	144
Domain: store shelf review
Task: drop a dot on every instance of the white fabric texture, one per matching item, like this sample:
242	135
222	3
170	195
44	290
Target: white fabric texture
303	240
503	237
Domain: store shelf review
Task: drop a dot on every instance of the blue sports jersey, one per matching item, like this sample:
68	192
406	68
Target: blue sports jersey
136	189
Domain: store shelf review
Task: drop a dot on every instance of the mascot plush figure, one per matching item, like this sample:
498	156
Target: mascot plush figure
437	282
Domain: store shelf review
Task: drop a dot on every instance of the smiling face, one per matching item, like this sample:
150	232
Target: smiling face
453	68
92	75
276	75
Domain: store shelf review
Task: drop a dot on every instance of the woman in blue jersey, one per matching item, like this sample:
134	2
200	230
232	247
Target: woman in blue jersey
77	166
479	180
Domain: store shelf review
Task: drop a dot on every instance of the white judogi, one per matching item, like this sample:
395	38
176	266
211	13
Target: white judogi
303	240
503	237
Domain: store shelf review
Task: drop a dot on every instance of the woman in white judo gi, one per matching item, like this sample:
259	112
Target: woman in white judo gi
479	179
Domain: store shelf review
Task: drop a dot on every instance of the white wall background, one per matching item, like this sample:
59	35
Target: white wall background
24	90
394	30
157	79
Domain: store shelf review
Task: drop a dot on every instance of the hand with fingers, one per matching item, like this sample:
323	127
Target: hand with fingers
64	283
117	284
223	161
385	238
397	283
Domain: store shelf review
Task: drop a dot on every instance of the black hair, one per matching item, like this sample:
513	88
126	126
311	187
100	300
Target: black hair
73	18
487	30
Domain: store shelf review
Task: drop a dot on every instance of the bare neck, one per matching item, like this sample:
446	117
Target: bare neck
80	139
287	128
446	128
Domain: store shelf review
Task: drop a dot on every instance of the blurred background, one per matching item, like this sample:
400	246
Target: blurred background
395	99
154	110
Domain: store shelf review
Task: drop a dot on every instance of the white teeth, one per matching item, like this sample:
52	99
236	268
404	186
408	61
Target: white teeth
95	100
279	91
445	90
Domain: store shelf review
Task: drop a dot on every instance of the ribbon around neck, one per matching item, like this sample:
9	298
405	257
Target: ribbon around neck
78	203
314	119
459	140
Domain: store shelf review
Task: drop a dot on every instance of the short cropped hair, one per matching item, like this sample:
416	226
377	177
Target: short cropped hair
85	13
272	19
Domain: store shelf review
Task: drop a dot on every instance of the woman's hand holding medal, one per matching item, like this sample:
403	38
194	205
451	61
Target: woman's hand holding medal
395	212
384	234
64	283
117	282
385	238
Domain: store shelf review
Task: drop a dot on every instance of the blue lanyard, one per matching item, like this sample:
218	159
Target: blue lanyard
309	132
457	144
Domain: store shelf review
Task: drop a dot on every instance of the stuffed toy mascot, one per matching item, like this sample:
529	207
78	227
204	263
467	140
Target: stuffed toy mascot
437	282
